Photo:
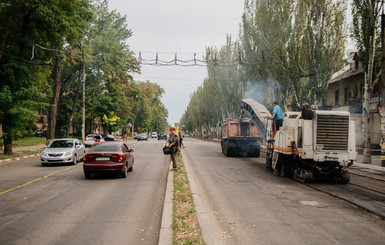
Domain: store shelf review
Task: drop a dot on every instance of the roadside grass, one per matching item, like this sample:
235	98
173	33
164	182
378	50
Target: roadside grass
185	224
29	152
29	141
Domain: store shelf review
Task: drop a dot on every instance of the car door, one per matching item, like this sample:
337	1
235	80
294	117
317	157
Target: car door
79	150
127	154
82	149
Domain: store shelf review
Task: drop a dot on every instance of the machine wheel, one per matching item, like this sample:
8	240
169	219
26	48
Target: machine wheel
226	150
343	177
269	157
256	152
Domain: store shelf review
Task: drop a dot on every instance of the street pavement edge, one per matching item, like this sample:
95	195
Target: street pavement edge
165	233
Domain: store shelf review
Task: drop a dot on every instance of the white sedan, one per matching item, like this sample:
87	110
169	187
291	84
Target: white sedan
65	150
92	139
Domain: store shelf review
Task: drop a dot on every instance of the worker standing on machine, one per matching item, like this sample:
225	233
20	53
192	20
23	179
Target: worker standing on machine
277	118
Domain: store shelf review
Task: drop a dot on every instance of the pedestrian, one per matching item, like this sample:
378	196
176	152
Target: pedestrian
174	145
277	118
180	134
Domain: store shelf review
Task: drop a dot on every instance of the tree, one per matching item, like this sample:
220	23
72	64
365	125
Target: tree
293	47
365	33
23	81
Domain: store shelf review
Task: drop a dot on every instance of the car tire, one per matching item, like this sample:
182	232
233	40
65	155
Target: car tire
43	164
131	169
124	171
75	160
87	175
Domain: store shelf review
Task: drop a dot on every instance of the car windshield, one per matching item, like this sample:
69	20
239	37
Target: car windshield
106	148
142	134
91	136
61	144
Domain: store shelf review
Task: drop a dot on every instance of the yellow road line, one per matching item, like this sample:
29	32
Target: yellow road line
33	181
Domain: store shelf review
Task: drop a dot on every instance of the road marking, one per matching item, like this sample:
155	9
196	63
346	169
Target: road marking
35	180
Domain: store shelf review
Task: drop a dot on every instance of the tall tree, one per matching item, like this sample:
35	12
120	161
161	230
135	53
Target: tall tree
66	25
24	23
293	46
366	34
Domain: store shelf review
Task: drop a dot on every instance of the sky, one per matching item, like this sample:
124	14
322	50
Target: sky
184	27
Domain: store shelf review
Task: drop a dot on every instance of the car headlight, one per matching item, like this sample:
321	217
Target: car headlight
68	153
44	154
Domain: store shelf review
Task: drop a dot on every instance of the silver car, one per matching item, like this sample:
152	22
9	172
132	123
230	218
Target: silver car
65	150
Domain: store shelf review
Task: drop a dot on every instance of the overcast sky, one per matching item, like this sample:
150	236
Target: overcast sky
182	27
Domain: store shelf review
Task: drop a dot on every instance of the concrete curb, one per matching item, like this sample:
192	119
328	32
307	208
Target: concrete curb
374	167
165	233
18	158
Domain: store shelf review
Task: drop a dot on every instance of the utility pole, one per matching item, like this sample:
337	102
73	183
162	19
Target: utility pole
84	97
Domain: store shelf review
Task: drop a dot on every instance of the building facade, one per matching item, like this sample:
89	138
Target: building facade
345	93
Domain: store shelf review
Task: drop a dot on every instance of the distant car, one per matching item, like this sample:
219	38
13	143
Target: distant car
92	139
41	133
66	150
154	135
109	137
141	136
108	157
162	135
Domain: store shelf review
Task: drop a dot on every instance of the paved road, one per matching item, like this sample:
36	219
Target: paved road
56	205
249	205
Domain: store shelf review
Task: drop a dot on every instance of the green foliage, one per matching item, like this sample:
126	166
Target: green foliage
366	26
287	52
23	80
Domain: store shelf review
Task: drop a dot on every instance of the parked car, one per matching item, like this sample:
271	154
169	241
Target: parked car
66	150
92	139
109	137
154	135
141	136
162	135
108	157
41	133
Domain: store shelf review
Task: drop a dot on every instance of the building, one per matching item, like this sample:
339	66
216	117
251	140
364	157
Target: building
345	93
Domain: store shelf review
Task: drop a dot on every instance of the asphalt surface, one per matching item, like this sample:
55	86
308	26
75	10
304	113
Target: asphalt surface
57	205
241	202
238	201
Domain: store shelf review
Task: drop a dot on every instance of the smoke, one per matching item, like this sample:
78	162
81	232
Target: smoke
261	91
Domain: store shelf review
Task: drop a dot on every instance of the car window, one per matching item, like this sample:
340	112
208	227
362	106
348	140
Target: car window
125	148
61	144
106	148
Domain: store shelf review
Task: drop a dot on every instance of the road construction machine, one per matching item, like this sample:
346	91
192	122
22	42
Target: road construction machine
318	145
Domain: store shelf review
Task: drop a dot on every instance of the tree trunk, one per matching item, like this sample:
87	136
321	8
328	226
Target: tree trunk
74	107
368	91
7	137
365	120
56	96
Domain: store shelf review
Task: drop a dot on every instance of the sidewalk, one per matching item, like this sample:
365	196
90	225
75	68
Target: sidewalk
18	152
376	163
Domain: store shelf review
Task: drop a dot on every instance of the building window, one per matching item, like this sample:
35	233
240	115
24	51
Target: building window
337	97
346	96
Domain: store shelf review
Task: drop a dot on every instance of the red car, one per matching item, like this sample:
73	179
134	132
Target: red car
108	157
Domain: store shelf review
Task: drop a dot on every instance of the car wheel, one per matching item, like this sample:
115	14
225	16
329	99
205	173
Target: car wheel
75	160
87	175
124	171
43	164
131	169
